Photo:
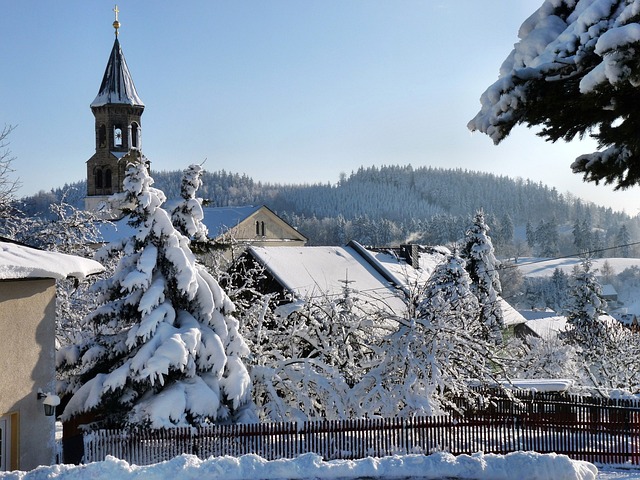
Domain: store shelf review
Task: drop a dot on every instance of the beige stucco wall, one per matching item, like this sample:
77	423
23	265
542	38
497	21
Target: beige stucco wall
27	350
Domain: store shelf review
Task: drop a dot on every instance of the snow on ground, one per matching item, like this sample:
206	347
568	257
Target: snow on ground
611	473
517	465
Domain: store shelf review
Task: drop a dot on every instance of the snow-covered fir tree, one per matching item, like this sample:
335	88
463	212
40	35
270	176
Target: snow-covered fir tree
586	305
168	352
482	266
187	214
430	357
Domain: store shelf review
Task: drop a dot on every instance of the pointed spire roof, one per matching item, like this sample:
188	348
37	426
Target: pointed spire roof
117	85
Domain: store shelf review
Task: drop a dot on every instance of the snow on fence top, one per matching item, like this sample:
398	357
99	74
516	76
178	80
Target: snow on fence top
20	261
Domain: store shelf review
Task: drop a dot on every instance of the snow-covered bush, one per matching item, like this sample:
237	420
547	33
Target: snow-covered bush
435	354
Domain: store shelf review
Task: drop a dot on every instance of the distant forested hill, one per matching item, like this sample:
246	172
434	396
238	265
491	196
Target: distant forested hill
392	204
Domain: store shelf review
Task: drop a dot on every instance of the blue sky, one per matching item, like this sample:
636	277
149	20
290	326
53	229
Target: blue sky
281	90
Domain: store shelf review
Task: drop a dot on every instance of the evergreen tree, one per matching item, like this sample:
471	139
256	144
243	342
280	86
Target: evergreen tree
483	271
559	290
531	235
622	241
547	237
585	307
187	215
168	351
8	186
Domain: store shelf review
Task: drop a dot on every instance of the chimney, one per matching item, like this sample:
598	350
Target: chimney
411	254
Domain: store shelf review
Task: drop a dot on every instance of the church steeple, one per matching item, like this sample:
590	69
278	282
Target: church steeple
117	110
117	85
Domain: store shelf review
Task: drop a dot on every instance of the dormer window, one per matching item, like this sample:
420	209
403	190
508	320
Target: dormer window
117	136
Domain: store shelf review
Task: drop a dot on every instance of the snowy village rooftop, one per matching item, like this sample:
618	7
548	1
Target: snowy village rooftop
20	261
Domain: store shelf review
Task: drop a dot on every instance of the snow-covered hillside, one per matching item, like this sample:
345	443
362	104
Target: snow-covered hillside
627	288
542	267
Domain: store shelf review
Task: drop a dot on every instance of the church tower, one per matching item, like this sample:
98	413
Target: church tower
117	110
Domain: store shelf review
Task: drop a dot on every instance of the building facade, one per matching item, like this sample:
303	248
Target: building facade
27	364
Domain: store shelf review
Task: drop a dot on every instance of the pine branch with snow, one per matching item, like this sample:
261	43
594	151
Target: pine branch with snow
574	72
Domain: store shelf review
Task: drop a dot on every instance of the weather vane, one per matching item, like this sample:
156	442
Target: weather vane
116	23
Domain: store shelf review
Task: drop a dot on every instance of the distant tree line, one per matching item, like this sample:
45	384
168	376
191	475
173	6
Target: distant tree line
387	205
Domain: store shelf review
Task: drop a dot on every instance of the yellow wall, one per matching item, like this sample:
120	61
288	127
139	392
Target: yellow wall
27	362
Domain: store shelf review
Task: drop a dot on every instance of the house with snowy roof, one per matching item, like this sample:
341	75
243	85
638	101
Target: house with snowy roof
384	278
250	225
228	227
27	364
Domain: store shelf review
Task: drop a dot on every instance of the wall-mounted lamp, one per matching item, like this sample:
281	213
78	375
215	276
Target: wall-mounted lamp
50	402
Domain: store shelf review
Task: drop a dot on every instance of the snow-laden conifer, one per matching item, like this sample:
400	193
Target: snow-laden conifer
169	352
574	72
482	266
187	214
586	304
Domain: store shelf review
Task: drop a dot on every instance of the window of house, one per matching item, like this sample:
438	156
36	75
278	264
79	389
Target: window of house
8	436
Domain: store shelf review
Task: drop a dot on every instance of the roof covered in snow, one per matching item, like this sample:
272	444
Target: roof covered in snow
19	261
117	85
218	220
375	276
316	271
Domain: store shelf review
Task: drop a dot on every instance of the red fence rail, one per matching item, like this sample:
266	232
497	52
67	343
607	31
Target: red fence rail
596	430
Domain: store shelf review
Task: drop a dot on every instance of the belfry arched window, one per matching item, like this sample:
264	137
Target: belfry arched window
102	136
107	178
134	135
117	136
97	175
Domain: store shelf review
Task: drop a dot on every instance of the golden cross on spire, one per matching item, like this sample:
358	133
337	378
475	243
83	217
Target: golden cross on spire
116	23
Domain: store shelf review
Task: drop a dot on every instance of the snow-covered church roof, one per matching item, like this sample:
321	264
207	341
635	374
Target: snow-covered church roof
117	85
19	261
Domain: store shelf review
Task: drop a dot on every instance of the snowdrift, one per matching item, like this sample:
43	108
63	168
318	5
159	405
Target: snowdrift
520	465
